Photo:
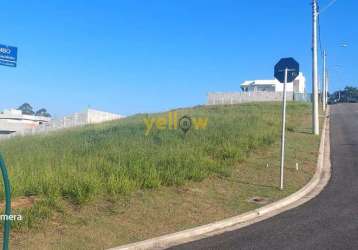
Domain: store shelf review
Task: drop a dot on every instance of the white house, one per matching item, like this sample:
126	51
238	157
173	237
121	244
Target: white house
297	86
12	120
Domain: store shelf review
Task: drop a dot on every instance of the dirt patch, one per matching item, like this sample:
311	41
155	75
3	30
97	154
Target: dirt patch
21	202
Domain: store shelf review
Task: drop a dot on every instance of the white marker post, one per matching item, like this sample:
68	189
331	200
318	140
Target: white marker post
283	129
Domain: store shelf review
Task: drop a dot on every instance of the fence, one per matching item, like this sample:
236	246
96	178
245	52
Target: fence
245	97
90	116
302	97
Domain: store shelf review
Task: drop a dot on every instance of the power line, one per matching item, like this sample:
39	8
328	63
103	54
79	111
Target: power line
328	5
319	22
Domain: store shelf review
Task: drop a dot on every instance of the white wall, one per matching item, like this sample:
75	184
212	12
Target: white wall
74	120
297	86
289	87
243	97
95	116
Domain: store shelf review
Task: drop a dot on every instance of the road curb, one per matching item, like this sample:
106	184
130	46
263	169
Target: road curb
309	191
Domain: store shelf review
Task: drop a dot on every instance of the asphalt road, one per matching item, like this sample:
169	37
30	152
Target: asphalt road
329	221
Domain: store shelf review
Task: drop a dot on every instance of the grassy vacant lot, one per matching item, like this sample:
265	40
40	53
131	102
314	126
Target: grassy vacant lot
110	184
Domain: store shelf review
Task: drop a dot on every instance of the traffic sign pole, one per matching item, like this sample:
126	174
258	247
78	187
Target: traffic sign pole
7	204
8	57
283	130
286	70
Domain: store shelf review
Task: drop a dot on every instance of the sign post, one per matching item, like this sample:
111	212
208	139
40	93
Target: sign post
286	70
8	57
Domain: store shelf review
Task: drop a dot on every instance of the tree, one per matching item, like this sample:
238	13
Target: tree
26	109
42	112
351	92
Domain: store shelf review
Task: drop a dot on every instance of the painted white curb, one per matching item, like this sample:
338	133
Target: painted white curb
309	191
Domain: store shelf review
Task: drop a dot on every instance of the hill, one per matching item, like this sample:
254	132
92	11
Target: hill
77	168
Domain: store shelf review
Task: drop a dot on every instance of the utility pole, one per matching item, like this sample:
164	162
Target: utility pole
315	121
324	87
327	85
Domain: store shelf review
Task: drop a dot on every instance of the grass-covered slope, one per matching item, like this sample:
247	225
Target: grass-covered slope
118	158
105	185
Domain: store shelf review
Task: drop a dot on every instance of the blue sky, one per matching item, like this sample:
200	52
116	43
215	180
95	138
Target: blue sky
131	56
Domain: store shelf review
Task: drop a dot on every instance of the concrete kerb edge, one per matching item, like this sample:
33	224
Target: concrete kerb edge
309	191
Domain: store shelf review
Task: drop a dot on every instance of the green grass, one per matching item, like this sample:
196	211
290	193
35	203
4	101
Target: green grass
77	168
117	158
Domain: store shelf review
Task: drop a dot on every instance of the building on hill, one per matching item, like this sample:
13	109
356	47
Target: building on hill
297	86
262	91
12	120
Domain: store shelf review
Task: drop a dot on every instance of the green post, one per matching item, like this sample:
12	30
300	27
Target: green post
5	245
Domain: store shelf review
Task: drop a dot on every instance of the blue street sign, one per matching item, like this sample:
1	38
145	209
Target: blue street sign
8	55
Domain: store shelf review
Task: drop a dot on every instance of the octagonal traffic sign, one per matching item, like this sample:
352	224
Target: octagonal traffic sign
292	66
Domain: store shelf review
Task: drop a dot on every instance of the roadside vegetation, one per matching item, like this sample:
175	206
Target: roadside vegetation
109	169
